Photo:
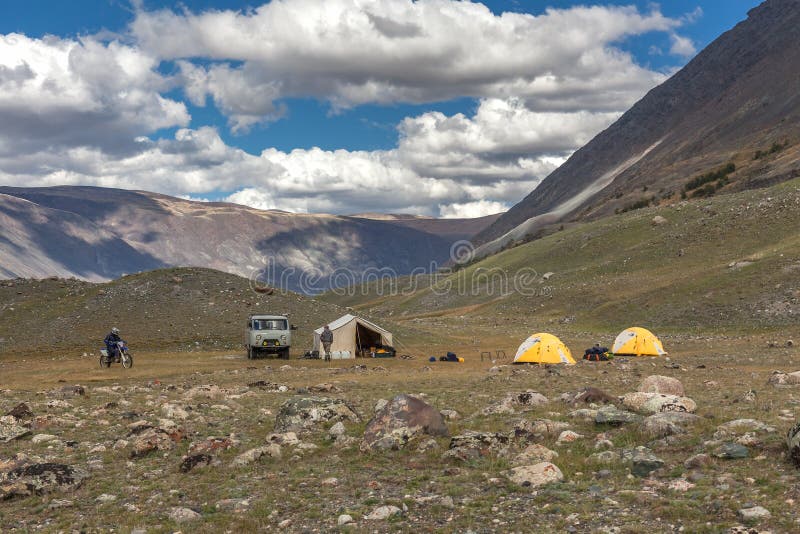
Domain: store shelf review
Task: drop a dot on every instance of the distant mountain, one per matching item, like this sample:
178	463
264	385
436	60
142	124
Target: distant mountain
451	229
737	102
99	234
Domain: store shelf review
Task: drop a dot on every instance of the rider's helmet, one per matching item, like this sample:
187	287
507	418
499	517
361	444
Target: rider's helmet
115	330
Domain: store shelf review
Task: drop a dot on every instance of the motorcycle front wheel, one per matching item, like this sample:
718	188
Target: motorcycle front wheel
127	361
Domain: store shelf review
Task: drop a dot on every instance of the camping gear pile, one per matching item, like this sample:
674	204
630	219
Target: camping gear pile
544	348
450	357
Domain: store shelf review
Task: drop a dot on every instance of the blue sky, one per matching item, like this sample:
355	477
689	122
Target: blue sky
377	128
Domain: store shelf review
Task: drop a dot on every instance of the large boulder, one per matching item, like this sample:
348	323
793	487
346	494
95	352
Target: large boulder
533	476
145	438
401	419
662	384
642	461
665	424
793	443
21	477
304	413
513	402
650	403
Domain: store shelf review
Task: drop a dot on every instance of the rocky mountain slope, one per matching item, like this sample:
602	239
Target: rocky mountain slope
99	234
736	102
451	229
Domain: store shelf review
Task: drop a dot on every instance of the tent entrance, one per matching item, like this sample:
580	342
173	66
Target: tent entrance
366	339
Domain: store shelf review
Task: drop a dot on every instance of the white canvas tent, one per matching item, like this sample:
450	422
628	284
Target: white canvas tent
351	333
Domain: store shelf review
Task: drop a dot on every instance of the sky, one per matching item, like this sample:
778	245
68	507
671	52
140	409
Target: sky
434	107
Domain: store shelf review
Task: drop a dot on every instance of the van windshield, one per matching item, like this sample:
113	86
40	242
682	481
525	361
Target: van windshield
270	324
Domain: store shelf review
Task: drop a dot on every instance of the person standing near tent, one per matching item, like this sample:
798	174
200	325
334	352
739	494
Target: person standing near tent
326	337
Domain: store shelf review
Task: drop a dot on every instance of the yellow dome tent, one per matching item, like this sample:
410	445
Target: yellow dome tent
636	341
543	348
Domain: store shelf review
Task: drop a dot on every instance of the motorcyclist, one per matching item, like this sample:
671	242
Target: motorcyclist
111	341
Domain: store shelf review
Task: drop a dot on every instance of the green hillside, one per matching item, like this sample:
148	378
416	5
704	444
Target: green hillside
729	263
168	309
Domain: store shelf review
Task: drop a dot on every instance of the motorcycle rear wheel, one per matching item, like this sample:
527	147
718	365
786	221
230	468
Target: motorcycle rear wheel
105	363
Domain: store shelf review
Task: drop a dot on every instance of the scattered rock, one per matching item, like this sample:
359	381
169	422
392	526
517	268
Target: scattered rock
324	388
755	513
665	385
145	439
533	476
382	513
611	415
568	436
450	415
21	412
731	451
591	395
403	418
212	445
658	220
512	402
781	378
337	430
106	498
21	478
533	454
533	431
273	450
650	403
698	461
11	429
43	438
184	515
344	519
304	413
472	445
68	391
193	461
665	424
643	461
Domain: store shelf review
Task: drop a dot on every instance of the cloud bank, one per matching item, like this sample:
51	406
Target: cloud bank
92	111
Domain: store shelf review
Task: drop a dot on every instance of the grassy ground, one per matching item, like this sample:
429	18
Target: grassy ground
287	494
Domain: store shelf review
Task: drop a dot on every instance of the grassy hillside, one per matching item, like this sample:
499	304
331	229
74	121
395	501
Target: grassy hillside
177	309
728	263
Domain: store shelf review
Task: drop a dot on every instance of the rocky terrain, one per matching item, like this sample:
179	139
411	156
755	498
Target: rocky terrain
99	234
735	102
697	442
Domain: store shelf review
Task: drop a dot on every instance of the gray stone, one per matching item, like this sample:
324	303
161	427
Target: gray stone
753	514
668	423
472	445
305	413
382	513
402	419
513	402
533	476
650	403
11	429
662	384
344	519
731	451
183	515
20	477
611	415
644	462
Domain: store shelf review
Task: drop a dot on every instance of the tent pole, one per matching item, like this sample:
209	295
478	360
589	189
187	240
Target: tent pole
358	342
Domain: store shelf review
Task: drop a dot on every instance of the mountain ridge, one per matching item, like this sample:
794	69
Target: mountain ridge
736	97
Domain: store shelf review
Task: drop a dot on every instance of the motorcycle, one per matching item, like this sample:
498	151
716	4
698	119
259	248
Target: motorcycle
125	357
